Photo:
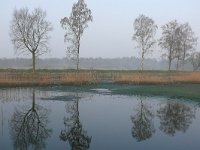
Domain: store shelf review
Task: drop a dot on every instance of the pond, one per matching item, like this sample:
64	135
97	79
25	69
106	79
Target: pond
96	118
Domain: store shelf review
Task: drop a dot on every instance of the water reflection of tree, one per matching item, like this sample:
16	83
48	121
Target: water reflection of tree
175	117
29	127
143	127
74	132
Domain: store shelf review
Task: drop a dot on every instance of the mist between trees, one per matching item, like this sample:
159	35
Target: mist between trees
126	63
29	34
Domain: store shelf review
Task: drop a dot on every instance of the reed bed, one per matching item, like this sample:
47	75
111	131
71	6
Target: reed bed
158	78
25	78
42	78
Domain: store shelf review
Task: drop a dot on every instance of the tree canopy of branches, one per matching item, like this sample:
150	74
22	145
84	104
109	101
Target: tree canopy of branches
179	41
167	41
175	117
29	32
29	127
189	41
144	32
75	25
143	127
74	132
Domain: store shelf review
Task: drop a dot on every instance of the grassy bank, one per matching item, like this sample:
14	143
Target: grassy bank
45	78
158	78
68	77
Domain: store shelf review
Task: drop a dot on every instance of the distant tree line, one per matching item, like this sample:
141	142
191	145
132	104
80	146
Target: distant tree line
125	63
29	34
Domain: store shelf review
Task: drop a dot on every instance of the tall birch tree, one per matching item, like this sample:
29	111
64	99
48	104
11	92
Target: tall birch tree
75	25
144	33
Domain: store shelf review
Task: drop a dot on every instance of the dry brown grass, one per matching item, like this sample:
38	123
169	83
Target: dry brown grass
159	78
89	77
47	78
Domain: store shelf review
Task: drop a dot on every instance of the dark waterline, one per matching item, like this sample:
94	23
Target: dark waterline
96	119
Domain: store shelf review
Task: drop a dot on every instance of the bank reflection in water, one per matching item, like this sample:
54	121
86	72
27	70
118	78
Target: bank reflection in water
175	117
25	127
143	127
29	126
74	133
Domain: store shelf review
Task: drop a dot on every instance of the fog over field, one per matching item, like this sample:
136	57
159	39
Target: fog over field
126	63
110	33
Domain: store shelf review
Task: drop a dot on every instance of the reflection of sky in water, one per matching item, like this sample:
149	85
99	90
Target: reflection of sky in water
107	119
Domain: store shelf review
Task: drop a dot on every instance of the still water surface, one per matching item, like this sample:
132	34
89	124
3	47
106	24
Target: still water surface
95	119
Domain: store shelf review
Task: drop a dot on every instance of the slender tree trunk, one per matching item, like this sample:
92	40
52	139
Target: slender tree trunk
78	61
142	61
33	100
141	109
169	67
170	59
77	108
184	55
33	62
177	65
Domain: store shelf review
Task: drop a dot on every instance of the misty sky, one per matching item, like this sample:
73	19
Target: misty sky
110	34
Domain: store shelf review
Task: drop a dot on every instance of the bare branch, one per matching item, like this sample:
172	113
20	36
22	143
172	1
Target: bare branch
29	31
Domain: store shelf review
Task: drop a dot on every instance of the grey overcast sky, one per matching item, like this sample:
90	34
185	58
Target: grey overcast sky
110	34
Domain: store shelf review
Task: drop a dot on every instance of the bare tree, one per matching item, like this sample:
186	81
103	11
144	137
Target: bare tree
29	32
178	46
74	132
167	41
189	41
179	40
144	32
185	43
195	60
29	127
143	127
75	26
175	117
